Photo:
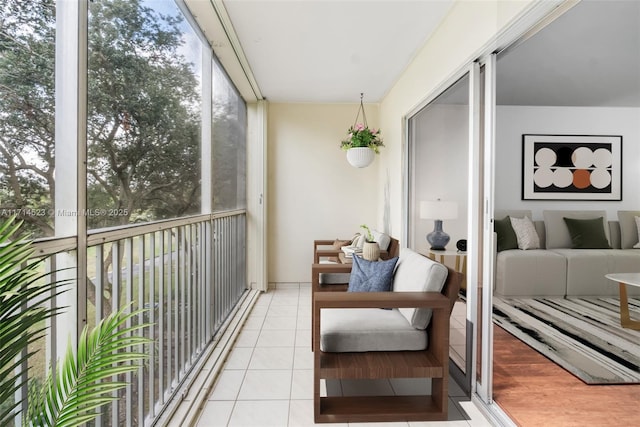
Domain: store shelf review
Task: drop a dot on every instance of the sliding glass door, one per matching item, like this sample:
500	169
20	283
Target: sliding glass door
449	162
438	158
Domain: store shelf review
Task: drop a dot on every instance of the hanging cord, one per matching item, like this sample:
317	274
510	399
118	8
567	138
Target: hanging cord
364	116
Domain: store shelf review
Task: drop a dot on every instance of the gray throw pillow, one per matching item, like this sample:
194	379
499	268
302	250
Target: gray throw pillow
371	276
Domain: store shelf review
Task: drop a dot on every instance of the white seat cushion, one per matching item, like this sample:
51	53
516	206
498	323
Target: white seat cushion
333	278
629	230
344	330
536	272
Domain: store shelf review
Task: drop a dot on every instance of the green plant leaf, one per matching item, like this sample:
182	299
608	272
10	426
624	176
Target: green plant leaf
83	381
23	292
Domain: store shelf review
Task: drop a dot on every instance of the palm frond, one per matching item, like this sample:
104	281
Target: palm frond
82	382
24	292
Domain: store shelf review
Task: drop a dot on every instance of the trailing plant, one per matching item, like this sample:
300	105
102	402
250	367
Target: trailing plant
361	136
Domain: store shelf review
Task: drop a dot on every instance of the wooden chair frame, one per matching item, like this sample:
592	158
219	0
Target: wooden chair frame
430	363
318	253
318	269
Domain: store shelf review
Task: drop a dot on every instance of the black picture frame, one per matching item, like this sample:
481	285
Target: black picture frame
571	167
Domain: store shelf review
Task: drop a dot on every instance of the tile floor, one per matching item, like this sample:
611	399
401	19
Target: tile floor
268	378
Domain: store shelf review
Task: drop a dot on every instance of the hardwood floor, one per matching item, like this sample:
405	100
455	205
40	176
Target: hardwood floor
534	391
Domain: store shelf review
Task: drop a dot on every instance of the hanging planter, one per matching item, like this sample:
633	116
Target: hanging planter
362	143
360	157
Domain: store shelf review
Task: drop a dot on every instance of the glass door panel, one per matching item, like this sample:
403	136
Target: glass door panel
438	157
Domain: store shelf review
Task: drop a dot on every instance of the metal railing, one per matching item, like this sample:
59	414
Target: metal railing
188	273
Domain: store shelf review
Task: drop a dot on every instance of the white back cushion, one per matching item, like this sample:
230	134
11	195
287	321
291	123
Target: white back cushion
628	228
417	273
382	239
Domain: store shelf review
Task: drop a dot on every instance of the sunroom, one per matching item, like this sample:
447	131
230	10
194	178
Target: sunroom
175	159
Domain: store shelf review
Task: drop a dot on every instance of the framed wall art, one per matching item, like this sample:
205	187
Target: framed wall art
571	167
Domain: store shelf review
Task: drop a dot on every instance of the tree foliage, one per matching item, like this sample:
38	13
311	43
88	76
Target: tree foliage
27	162
144	115
143	119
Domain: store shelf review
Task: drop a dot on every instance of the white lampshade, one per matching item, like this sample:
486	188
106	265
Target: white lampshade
438	209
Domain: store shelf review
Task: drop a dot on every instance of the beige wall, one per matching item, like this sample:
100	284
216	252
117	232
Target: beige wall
313	192
468	30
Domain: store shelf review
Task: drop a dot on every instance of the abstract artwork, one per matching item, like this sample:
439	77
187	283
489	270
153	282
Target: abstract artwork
571	167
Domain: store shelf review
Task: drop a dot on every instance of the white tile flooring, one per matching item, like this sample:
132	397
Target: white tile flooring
268	378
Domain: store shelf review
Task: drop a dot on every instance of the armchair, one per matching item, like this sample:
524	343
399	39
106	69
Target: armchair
325	249
409	341
330	267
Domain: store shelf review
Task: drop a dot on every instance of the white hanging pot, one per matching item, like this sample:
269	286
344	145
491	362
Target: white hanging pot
360	157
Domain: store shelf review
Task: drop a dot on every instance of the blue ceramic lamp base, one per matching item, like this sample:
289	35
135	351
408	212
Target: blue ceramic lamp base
438	239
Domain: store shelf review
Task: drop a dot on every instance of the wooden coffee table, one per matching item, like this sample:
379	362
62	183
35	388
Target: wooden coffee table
624	280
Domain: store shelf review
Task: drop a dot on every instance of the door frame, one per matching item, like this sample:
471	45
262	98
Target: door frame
532	20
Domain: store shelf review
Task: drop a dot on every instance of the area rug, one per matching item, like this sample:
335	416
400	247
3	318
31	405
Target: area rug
583	335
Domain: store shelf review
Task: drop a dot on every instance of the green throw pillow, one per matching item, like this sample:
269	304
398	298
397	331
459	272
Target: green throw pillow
506	236
587	233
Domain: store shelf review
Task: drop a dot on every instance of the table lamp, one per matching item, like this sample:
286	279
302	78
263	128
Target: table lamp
438	210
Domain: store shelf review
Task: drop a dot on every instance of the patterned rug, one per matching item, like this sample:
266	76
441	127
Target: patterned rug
583	335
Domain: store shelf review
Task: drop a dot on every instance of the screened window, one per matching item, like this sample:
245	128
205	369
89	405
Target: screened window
144	113
27	158
229	144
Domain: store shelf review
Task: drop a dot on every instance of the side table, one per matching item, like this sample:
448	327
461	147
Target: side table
460	262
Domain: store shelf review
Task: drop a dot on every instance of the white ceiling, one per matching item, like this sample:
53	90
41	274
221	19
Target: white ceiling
330	50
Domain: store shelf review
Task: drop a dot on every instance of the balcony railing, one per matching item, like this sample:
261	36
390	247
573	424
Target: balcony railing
189	273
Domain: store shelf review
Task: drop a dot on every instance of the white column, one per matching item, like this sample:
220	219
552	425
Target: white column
474	219
485	388
257	195
206	153
206	177
70	172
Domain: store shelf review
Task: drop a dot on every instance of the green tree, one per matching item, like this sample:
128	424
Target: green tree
143	114
143	119
27	162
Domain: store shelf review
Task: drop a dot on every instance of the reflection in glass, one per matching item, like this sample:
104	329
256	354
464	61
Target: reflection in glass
439	135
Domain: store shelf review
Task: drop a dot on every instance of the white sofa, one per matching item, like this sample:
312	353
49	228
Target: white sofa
558	270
